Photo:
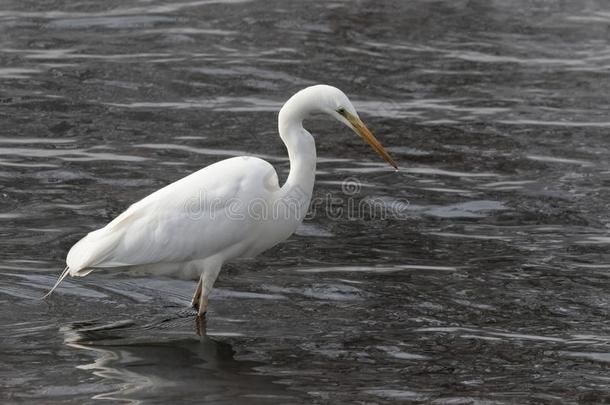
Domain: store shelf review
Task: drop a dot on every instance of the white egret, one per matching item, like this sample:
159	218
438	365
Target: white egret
231	209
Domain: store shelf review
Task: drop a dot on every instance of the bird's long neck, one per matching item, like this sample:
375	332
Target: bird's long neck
301	152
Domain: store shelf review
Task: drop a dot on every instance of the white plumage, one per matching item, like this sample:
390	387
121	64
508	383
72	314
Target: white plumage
231	209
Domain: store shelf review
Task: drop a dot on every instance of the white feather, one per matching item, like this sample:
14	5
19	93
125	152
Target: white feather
199	216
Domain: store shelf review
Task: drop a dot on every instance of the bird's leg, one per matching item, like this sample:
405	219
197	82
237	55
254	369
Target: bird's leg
208	278
197	295
203	306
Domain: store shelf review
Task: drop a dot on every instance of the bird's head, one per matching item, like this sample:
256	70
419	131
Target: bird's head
343	110
330	100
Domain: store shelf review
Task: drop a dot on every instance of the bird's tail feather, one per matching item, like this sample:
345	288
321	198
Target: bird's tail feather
59	280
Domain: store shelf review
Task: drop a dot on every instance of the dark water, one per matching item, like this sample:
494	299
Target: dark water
492	289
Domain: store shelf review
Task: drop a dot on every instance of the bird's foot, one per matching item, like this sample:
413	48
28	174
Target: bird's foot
200	326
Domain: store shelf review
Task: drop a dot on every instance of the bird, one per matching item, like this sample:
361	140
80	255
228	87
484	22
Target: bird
231	209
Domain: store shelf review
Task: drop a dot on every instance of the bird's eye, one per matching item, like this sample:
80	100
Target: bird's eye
341	111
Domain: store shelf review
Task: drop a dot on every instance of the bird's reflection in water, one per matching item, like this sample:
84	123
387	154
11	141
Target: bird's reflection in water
140	361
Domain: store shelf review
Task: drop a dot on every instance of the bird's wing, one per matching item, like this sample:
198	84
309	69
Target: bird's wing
192	218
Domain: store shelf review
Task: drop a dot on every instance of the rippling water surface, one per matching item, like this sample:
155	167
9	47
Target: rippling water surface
491	287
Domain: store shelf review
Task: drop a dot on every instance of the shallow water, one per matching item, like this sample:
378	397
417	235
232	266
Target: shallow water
483	279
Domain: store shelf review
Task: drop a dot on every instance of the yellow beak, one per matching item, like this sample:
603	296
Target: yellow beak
359	127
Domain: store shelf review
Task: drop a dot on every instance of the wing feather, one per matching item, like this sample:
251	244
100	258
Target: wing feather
193	217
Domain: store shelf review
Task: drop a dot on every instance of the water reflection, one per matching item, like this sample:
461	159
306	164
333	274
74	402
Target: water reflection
143	363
